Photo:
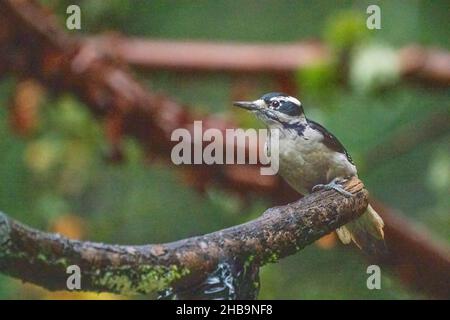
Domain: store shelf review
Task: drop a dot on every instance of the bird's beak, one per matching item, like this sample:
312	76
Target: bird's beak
248	105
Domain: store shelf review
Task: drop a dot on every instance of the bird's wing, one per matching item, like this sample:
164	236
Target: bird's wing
330	140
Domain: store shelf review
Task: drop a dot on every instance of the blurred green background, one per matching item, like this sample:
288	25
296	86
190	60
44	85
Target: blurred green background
57	178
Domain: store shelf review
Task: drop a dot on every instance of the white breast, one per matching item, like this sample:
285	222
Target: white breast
305	161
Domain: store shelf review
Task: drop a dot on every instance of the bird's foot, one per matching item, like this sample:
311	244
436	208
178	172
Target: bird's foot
335	185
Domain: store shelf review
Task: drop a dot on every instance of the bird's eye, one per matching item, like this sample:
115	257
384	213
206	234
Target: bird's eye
275	104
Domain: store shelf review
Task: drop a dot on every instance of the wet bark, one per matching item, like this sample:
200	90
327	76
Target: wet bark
42	258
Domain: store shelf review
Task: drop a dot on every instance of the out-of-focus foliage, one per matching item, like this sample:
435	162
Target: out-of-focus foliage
56	178
344	29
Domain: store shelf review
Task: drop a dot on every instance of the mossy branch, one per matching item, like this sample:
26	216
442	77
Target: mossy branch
42	258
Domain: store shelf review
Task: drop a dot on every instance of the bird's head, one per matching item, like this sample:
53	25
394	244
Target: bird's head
275	108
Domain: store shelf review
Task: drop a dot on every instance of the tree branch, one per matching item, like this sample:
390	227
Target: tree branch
424	65
42	258
32	45
214	57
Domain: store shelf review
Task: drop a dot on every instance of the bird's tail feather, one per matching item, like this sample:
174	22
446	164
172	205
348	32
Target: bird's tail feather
366	232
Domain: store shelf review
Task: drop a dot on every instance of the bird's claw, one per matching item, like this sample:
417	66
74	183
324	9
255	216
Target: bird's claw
333	185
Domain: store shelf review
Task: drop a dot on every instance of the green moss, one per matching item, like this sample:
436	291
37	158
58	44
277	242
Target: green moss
62	262
273	258
249	261
132	280
49	259
41	257
7	253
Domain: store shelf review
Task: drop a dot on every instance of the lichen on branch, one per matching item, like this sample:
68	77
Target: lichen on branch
42	258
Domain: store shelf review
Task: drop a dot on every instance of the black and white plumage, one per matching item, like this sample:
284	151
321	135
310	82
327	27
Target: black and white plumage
311	157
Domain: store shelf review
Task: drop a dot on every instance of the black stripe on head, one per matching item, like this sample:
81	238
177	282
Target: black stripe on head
290	108
283	103
271	95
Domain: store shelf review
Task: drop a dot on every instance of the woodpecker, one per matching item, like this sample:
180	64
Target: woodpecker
311	158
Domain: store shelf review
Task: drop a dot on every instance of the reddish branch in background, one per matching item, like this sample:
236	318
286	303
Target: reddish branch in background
32	45
421	64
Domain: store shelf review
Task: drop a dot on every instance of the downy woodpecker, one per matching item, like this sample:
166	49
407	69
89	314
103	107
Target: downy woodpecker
311	158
